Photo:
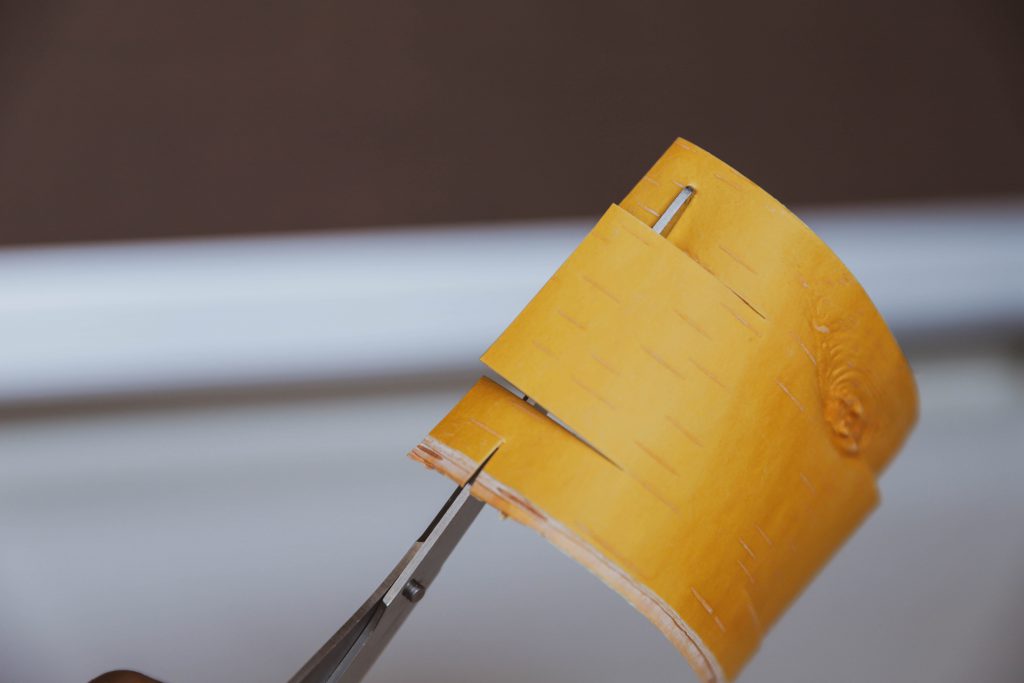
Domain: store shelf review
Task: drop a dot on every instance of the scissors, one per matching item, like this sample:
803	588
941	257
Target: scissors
348	654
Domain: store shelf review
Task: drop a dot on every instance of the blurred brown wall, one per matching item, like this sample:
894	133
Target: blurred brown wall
143	119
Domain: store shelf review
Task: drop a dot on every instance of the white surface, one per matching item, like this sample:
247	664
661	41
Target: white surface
129	318
224	543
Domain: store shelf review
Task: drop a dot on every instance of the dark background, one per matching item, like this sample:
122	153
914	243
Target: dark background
137	120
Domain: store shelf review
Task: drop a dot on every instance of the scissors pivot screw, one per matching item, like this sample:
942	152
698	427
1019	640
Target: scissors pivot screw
414	590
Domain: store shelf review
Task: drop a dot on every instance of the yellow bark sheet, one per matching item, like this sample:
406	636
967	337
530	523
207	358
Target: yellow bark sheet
732	394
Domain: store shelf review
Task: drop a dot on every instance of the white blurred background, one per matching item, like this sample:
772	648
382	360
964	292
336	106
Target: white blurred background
202	468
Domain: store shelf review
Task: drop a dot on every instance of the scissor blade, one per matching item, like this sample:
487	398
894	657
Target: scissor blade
350	652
